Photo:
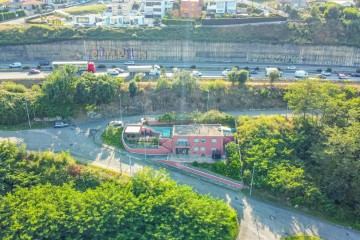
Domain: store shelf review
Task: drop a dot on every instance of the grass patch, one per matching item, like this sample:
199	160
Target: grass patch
301	237
88	9
112	136
25	125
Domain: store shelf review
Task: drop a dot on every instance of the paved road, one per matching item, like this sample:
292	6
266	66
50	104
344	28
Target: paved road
258	220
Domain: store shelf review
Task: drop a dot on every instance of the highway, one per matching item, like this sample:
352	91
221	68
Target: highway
208	70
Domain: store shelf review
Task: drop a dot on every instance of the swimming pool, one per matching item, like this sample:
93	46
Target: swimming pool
165	131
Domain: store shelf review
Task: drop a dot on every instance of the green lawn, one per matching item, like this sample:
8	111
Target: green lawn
88	9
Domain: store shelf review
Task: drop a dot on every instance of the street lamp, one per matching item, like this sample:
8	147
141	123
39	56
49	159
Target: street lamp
120	107
27	111
207	103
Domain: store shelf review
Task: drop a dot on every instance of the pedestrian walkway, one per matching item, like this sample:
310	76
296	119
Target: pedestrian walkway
179	165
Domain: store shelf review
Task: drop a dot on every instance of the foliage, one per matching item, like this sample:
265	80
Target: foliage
88	9
179	22
133	88
112	136
301	237
49	196
241	77
274	76
91	89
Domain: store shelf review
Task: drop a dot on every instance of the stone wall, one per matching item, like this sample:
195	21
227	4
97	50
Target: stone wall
184	51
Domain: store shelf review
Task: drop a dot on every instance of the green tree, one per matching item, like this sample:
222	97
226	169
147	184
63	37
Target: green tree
350	13
133	88
274	76
332	12
243	77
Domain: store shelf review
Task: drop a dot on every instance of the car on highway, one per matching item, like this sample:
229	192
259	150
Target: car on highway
342	76
34	71
355	74
120	70
44	63
112	72
129	63
253	72
60	124
321	76
196	74
291	68
226	72
15	65
326	73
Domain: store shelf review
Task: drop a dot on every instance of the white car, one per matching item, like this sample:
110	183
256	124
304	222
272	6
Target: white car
60	124
129	63
15	65
196	74
112	72
326	73
291	68
116	123
120	70
226	72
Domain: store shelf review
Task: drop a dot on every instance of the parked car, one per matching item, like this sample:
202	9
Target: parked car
129	63
196	74
253	72
116	124
34	71
343	76
320	75
60	124
112	72
291	68
15	65
44	63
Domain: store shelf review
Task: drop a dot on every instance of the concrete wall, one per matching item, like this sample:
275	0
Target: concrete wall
183	51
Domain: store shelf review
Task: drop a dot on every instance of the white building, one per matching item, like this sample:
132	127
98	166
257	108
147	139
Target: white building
123	21
157	8
121	7
222	6
86	20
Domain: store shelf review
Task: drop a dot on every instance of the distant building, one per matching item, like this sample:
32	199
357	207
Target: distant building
123	21
344	3
222	6
191	8
26	5
157	8
121	7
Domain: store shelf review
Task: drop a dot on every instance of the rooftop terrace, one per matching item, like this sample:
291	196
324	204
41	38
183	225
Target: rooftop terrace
198	129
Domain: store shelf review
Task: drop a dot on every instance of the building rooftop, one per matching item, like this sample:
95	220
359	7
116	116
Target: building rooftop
133	129
198	129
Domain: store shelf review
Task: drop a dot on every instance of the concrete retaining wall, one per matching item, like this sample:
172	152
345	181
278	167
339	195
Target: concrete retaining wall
184	51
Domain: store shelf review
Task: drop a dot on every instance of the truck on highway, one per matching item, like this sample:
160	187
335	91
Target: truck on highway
269	70
301	74
81	66
148	70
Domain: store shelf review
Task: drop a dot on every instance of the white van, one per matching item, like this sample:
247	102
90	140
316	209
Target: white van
112	72
15	65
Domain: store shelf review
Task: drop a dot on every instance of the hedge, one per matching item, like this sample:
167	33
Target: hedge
188	22
230	21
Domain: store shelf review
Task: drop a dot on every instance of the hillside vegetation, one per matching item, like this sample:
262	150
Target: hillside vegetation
50	196
327	24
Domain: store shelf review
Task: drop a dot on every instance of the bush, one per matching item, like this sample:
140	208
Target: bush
319	70
193	66
13	87
101	66
112	136
26	67
329	70
113	66
178	22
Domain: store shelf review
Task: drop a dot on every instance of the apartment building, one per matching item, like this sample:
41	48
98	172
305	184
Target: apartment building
121	7
222	6
191	8
157	8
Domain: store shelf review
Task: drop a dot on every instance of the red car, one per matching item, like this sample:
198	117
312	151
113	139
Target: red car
34	71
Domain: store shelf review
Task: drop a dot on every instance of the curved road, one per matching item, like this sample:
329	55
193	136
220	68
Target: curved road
258	220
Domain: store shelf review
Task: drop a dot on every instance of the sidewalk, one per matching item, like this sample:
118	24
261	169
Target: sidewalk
205	176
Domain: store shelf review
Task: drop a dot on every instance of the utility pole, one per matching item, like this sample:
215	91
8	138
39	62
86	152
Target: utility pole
252	178
120	107
145	141
241	163
27	111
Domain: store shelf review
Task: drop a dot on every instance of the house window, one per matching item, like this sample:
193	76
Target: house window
203	140
213	140
202	149
213	150
196	140
183	142
196	149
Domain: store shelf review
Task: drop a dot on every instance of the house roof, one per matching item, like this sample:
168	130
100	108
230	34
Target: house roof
133	129
198	130
25	2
